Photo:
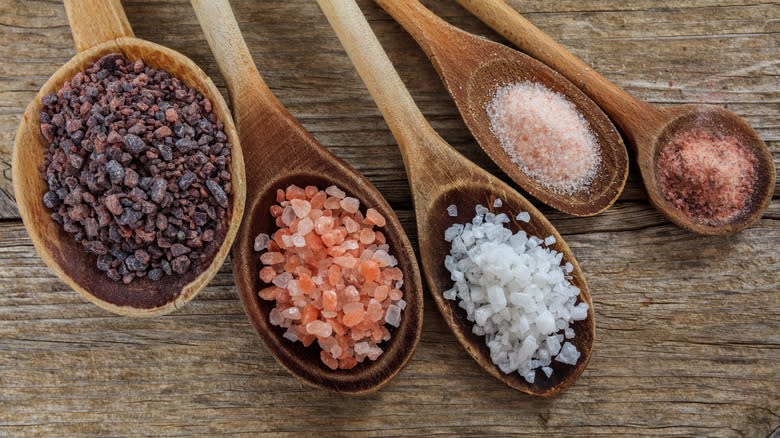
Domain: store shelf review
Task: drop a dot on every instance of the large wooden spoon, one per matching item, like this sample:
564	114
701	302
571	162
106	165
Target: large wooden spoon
647	127
279	152
473	69
100	27
439	176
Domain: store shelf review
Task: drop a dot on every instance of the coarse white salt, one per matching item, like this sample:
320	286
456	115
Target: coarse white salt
452	210
498	203
523	216
545	136
516	293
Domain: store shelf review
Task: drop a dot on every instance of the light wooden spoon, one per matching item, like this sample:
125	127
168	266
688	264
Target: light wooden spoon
279	152
473	68
647	127
439	176
100	27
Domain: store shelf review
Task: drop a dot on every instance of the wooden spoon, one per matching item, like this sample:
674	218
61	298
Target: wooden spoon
474	68
279	151
100	27
439	176
647	127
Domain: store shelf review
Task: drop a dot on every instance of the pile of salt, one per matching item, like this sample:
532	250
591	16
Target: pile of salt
515	291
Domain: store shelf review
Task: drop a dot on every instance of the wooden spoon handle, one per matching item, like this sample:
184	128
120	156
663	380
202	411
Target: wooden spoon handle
96	21
435	36
415	137
246	87
629	113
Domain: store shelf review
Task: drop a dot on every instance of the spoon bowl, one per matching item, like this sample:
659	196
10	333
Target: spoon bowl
648	128
466	197
682	119
100	28
439	176
279	152
473	69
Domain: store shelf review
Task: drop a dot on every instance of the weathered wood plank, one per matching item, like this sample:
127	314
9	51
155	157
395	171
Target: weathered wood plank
688	327
660	366
686	52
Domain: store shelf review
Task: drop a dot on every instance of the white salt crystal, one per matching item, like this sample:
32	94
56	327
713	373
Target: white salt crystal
568	332
261	241
282	279
298	241
549	240
290	335
547	371
498	203
393	315
568	355
452	210
524	217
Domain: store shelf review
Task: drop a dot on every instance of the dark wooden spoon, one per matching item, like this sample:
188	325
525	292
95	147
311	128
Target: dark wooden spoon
439	176
647	127
279	152
100	27
473	68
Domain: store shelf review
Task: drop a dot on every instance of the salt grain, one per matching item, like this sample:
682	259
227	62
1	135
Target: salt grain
545	136
516	293
452	210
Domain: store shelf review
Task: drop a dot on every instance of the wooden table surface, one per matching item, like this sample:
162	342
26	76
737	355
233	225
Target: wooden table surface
687	326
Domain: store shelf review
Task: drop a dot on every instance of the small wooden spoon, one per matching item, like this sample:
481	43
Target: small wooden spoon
279	152
100	27
474	68
647	127
439	176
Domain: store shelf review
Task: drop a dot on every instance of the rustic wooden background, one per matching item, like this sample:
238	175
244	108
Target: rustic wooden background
688	327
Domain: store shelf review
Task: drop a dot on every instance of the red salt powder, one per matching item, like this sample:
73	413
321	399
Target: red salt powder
545	135
333	279
708	176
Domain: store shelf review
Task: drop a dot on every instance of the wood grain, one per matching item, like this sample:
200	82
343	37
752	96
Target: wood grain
688	327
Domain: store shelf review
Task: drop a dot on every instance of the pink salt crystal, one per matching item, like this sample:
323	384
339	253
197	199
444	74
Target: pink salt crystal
351	307
375	218
332	203
367	236
271	258
319	328
292	313
382	257
311	191
261	241
335	192
345	261
324	224
329	360
354	318
305	226
545	136
350	225
351	295
288	215
350	205
301	207
395	294
381	293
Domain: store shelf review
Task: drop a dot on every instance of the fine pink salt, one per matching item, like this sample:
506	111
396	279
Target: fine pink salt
332	277
545	136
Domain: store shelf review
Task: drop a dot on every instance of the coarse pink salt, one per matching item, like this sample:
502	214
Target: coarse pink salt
708	176
333	278
545	136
